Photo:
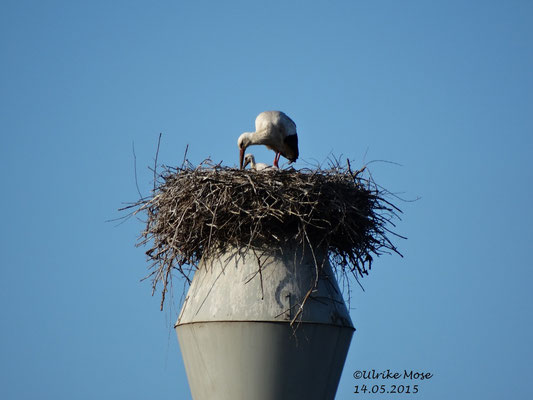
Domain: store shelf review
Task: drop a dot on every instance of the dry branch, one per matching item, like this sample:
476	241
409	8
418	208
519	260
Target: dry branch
201	211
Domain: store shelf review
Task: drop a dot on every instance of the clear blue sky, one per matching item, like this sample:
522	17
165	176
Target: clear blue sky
444	88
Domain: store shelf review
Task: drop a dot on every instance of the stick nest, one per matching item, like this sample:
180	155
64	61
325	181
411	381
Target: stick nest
201	211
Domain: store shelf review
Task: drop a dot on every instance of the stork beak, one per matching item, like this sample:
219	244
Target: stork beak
241	159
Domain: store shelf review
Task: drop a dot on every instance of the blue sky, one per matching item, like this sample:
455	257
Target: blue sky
443	88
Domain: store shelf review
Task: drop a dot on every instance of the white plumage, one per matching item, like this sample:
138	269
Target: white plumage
250	159
276	131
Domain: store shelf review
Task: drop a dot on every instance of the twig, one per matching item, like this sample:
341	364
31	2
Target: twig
135	169
155	161
201	211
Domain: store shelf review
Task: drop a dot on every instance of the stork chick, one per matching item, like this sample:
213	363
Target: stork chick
250	159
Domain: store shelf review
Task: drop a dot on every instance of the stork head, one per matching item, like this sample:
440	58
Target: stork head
243	143
248	159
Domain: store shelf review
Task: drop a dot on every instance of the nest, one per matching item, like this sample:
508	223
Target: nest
202	211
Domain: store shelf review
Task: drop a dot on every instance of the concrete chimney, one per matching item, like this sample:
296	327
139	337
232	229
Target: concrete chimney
235	329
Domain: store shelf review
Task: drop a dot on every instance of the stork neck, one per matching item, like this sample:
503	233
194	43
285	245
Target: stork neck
257	137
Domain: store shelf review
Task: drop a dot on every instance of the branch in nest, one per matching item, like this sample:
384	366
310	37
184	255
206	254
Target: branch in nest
201	211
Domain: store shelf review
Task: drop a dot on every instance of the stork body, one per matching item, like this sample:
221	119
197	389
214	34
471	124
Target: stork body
250	159
276	131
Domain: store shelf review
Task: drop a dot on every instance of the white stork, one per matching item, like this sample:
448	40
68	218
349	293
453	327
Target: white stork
276	131
250	159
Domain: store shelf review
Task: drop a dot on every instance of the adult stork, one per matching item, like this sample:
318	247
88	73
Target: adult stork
276	131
